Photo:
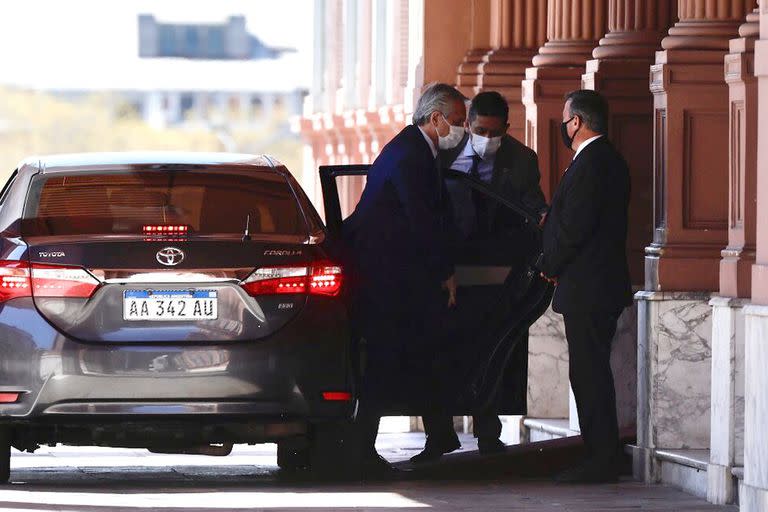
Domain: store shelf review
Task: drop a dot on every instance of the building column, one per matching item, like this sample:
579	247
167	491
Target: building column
573	30
690	170
753	493
727	418
739	256
499	56
691	147
479	45
619	71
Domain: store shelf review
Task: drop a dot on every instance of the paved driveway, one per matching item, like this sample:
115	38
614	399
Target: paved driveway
98	479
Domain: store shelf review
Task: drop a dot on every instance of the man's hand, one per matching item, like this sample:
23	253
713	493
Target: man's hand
552	280
450	285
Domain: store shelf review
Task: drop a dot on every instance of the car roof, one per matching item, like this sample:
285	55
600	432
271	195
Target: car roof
73	161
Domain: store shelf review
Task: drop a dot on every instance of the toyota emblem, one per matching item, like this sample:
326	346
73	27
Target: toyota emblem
170	256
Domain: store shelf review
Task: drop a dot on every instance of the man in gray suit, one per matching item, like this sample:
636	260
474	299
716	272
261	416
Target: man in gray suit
511	169
490	154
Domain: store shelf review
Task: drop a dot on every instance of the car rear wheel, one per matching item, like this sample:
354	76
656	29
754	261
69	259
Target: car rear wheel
293	454
5	454
335	451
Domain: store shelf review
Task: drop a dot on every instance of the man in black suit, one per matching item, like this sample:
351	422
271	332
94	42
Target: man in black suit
489	154
585	236
401	261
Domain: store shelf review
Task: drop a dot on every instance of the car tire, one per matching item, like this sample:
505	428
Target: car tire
6	437
293	455
335	451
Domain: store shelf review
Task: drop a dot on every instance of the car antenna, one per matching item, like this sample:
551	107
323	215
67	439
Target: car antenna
246	234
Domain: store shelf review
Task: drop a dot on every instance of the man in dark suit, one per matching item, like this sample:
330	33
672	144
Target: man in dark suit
510	168
585	236
401	262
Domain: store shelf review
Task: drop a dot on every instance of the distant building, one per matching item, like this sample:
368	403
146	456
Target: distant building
214	75
222	41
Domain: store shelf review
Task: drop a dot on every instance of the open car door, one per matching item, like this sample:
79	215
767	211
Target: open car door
500	292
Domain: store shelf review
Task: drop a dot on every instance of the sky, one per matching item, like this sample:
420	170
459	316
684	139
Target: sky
43	41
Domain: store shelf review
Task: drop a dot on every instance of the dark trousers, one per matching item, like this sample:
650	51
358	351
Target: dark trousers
400	348
486	424
440	432
589	337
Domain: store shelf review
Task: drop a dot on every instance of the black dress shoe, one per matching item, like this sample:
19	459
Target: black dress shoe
490	446
433	452
589	473
378	468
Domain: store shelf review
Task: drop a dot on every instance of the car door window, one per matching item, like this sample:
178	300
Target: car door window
496	243
342	186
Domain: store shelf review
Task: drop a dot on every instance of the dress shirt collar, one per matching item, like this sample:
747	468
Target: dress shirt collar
469	151
429	141
585	144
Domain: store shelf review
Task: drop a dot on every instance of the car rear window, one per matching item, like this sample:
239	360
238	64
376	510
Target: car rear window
204	202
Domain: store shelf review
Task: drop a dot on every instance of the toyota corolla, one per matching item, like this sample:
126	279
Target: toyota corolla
175	302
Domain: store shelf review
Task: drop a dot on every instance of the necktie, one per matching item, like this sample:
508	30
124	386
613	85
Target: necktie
481	207
474	171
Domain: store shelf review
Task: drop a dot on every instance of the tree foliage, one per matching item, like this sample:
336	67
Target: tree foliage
37	123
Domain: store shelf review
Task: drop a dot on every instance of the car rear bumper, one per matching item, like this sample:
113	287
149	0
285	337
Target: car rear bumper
280	376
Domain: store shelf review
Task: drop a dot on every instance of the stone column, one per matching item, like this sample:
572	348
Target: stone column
727	419
753	493
739	256
691	147
574	28
479	45
619	71
690	170
517	29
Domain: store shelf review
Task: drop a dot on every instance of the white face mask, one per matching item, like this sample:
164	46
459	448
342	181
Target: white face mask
450	141
485	147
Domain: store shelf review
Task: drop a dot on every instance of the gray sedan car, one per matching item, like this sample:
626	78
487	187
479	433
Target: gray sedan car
178	302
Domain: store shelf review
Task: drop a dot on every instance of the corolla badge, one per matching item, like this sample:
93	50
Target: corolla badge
170	256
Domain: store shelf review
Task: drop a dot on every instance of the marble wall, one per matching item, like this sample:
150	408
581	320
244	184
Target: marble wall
727	398
753	495
548	368
624	366
548	386
678	357
674	374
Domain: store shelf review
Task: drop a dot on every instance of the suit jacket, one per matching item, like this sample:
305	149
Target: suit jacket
515	174
398	233
585	233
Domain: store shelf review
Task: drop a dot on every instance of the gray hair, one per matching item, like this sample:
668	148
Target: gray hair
436	96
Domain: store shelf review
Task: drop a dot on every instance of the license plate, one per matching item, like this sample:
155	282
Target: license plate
170	305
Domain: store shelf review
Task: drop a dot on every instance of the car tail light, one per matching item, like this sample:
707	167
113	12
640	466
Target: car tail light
325	280
276	280
20	279
319	279
14	280
337	396
61	281
165	229
9	398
